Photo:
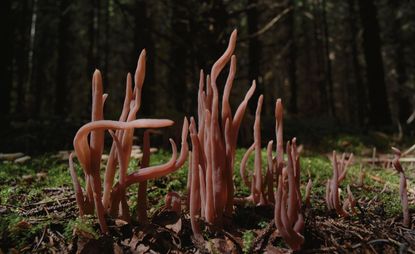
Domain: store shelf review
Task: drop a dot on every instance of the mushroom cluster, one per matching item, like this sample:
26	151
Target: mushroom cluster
89	145
214	141
332	188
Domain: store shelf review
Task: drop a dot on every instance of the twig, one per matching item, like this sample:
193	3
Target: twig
410	150
269	24
387	160
263	238
41	238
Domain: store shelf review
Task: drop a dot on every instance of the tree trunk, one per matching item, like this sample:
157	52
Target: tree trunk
254	52
319	57
378	100
93	32
61	88
6	61
143	39
20	52
292	61
402	95
178	56
106	52
357	89
32	103
328	69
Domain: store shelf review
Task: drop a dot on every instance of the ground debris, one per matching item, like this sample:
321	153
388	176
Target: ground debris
374	235
59	200
10	156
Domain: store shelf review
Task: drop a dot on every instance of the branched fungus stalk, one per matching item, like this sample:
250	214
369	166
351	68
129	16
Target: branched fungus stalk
262	188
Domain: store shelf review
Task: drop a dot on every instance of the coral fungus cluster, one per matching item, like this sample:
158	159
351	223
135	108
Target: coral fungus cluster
211	193
210	179
213	137
214	143
89	145
332	188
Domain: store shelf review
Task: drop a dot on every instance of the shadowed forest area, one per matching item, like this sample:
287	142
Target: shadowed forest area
339	66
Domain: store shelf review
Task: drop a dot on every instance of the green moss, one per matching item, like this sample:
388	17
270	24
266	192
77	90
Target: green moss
19	231
248	239
83	224
18	192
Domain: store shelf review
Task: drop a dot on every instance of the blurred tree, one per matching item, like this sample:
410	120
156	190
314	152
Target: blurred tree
378	100
357	89
143	38
64	53
6	61
353	60
402	95
254	51
292	59
178	55
328	69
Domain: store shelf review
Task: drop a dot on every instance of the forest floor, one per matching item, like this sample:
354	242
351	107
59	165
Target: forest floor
38	213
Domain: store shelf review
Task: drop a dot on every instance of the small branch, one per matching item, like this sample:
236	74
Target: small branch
269	25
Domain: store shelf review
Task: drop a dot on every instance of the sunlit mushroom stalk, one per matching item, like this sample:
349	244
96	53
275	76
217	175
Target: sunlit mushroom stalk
279	157
403	192
78	189
262	189
142	187
195	179
131	105
332	187
288	216
350	201
83	152
215	139
144	174
262	192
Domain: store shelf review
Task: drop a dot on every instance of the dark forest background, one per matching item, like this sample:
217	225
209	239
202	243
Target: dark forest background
339	66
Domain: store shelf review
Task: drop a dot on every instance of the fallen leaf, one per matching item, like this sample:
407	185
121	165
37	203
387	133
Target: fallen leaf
23	225
175	227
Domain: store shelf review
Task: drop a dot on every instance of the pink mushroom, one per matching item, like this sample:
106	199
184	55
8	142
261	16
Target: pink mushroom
332	187
214	143
288	217
89	151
